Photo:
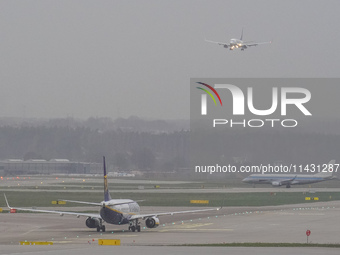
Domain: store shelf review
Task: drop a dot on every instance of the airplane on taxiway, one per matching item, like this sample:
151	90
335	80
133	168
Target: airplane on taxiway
114	211
277	180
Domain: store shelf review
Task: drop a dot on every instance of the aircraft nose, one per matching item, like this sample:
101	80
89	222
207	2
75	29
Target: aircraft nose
245	180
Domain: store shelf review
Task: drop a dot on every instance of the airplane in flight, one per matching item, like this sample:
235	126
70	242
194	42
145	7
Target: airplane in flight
114	211
278	180
238	43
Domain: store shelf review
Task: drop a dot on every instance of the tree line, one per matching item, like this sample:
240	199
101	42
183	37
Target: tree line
164	151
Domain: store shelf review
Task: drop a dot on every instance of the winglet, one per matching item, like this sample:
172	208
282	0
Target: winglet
7	201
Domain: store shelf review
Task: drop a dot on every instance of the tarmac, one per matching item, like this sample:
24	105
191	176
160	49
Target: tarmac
270	224
275	224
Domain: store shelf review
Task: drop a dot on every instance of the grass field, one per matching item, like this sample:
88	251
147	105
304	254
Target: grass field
96	183
40	191
43	199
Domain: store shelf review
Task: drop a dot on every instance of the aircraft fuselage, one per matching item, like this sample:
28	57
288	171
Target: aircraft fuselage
119	214
236	44
270	178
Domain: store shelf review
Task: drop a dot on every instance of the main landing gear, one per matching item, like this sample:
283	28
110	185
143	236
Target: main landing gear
134	225
101	226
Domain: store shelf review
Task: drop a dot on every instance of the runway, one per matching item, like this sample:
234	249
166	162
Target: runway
235	224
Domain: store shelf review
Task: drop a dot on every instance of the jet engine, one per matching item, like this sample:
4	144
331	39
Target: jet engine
152	222
92	222
276	183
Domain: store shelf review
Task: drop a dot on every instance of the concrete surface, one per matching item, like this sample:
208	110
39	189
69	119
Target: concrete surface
236	224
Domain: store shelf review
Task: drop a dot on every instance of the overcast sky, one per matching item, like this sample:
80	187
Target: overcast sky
121	58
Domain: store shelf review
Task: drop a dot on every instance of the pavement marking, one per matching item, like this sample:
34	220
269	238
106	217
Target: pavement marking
193	229
195	225
286	213
31	230
311	214
126	235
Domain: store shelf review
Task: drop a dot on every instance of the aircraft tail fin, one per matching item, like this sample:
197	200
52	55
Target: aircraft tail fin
241	35
327	172
7	201
107	196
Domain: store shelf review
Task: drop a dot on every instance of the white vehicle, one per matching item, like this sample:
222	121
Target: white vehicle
238	43
114	211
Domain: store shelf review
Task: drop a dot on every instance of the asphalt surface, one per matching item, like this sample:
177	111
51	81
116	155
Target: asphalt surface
235	224
286	223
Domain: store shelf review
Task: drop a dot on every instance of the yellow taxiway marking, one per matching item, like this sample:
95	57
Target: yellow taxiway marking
108	241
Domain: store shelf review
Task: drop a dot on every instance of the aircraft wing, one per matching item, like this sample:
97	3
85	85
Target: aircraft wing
219	43
80	202
61	213
144	216
285	181
255	43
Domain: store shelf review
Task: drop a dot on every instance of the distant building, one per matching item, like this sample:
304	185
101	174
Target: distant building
54	166
240	160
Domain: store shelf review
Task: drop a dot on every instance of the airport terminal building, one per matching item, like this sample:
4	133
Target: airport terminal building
53	166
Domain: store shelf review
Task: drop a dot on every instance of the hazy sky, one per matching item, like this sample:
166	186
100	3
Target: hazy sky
121	58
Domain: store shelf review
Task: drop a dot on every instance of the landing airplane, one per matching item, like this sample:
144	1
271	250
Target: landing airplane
277	180
114	211
238	43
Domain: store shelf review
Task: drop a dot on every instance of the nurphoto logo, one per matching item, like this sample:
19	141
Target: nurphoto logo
280	99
